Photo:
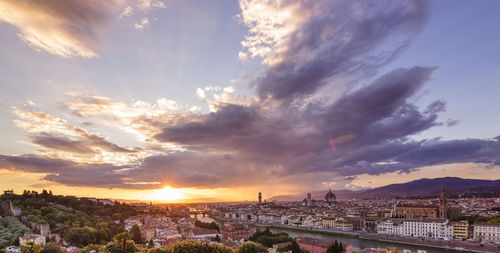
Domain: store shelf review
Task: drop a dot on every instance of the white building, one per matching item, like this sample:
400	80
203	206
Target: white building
36	239
489	232
432	228
389	228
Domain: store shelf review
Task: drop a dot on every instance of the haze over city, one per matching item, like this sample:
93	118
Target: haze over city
208	101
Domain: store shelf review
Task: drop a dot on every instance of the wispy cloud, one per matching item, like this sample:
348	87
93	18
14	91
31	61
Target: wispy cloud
63	28
283	132
140	26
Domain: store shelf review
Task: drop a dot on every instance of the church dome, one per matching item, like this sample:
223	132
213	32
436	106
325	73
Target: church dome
330	196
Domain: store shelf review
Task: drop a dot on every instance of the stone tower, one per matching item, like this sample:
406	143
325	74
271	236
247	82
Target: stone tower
260	198
443	204
309	199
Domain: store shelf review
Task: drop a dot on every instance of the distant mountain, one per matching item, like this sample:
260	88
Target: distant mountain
424	188
454	186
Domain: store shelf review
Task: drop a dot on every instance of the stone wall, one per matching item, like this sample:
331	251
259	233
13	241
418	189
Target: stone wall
10	209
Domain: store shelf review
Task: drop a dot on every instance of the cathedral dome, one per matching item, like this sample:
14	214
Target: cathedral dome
330	197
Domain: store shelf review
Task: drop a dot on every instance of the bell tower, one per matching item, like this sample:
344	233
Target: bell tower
443	204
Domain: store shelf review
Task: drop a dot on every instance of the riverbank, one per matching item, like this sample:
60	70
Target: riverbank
450	246
429	243
316	231
435	243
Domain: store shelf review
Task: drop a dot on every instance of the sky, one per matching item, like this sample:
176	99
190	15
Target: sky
211	100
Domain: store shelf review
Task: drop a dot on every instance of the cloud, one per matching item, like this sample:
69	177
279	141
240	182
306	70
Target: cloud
140	26
308	43
285	133
127	11
146	5
63	28
60	139
66	172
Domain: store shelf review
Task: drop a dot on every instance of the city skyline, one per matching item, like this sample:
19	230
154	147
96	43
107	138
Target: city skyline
178	101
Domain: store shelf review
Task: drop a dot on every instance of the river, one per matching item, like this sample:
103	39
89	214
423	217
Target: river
358	243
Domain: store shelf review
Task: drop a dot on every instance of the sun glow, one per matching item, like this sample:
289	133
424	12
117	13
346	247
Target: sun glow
166	194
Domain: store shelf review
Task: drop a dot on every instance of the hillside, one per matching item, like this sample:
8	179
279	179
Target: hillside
424	187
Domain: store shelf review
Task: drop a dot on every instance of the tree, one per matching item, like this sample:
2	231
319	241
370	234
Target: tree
116	216
90	247
251	247
190	246
52	247
295	247
31	247
122	238
335	248
118	247
151	244
135	234
80	237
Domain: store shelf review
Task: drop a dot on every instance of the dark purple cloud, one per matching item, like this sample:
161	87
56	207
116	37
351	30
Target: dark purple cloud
68	172
287	132
339	41
87	144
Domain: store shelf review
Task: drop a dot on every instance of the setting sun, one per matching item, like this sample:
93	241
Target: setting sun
166	194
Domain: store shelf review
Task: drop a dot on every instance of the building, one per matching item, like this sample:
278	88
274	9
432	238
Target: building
416	211
275	247
8	192
343	225
36	239
430	228
330	198
443	204
203	233
489	232
314	245
148	233
238	231
460	229
260	198
309	200
328	223
389	228
379	250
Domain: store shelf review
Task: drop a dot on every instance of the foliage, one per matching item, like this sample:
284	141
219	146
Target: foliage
211	225
135	234
159	250
30	247
215	238
80	237
190	246
121	244
251	247
116	247
268	239
294	247
477	219
63	213
335	248
10	229
91	247
52	247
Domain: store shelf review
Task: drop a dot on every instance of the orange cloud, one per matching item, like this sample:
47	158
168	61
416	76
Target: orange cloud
63	28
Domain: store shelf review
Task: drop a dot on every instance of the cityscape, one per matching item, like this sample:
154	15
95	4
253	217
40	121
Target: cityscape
249	126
